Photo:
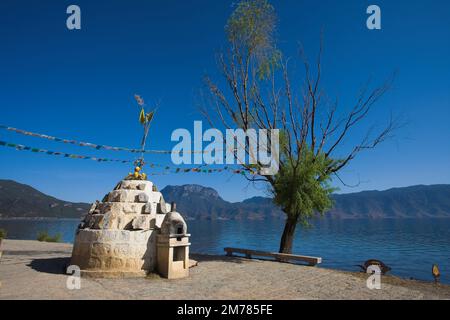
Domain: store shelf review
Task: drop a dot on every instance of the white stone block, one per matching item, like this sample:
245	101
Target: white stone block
93	207
132	208
124	195
110	221
142	197
96	221
108	235
104	207
142	222
121	208
136	185
87	221
122	249
116	196
124	221
142	237
141	186
154	196
149	208
123	235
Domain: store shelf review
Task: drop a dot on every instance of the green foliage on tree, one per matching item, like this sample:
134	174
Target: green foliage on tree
303	190
251	30
3	234
43	236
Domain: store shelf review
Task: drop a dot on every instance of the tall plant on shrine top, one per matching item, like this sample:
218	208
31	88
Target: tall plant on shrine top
145	119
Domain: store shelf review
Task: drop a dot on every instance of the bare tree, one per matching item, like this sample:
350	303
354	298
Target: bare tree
256	92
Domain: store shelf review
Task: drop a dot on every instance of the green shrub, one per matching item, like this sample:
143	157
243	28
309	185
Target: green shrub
45	237
3	234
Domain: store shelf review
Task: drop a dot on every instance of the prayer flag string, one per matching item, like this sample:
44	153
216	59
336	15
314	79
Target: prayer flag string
88	144
166	169
21	147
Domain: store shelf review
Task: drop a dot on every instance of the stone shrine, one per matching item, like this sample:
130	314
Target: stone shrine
119	235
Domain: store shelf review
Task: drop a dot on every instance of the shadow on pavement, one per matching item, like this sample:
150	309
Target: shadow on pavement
50	265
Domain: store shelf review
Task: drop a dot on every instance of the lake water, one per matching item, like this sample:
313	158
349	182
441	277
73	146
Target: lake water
409	247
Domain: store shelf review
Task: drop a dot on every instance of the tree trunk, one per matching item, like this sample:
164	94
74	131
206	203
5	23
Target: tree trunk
288	235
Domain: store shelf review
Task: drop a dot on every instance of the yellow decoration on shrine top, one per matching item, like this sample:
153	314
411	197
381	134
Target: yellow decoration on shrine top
142	118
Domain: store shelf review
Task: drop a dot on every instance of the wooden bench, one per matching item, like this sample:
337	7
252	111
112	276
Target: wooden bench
282	257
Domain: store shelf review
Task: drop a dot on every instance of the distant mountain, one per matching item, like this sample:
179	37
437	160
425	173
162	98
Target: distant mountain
203	203
409	202
20	200
197	202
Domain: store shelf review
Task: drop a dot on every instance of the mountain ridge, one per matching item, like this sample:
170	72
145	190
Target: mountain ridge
197	202
22	200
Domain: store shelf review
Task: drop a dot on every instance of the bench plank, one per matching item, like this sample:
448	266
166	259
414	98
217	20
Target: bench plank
278	256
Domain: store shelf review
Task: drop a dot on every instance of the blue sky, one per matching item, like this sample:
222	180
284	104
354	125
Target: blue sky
80	84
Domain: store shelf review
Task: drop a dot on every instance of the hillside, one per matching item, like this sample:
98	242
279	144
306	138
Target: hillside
410	202
421	201
203	203
20	200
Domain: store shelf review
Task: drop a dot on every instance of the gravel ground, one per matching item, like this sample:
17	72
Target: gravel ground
35	270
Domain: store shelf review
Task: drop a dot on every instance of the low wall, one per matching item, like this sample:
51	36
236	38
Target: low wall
115	251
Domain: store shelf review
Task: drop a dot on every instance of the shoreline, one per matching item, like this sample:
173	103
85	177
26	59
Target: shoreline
34	270
387	276
29	228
